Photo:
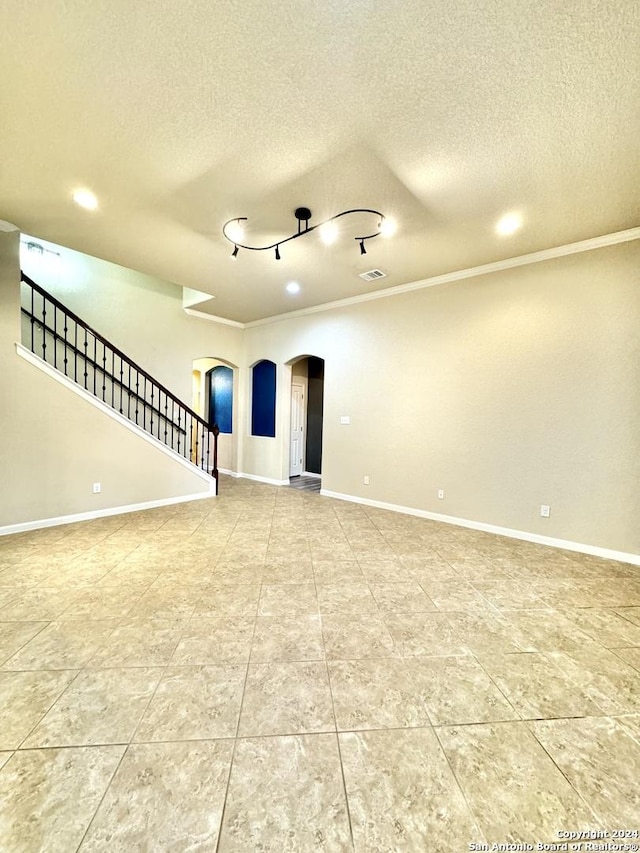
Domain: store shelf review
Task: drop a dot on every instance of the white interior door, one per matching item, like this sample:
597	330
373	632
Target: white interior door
296	465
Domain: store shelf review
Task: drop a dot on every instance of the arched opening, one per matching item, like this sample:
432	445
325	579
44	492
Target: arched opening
214	399
263	399
307	410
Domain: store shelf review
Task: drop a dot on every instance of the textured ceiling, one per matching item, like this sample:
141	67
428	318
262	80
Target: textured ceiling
180	115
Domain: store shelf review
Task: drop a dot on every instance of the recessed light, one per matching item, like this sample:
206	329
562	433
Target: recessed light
388	227
293	287
329	232
509	224
86	199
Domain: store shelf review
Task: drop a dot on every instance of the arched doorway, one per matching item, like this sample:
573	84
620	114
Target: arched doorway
307	409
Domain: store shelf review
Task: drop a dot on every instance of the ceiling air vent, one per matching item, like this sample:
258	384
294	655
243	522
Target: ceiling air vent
372	275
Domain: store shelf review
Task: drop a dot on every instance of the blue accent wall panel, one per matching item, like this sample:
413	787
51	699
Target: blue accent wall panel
221	399
263	399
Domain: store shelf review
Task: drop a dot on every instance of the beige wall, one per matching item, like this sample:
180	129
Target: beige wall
508	391
55	445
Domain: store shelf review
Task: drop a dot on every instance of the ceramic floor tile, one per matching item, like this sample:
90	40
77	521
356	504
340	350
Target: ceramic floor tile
286	698
347	598
4	757
239	601
516	792
194	703
607	627
545	630
385	571
337	572
424	634
41	603
607	680
484	632
370	694
14	635
297	572
402	794
630	656
602	762
287	638
454	595
286	794
631	614
236	573
164	797
428	569
62	645
48	796
631	724
101	706
8	595
139	642
509	595
458	690
104	603
347	637
401	598
25	697
206	640
288	599
537	688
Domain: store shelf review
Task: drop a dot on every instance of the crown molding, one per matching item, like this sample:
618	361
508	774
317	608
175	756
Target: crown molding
460	275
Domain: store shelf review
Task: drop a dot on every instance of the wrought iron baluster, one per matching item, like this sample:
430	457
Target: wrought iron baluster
86	372
44	328
121	383
113	378
55	338
95	363
129	393
104	373
66	329
33	319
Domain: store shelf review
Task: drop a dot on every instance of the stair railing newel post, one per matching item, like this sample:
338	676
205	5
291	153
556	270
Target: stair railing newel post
180	421
214	473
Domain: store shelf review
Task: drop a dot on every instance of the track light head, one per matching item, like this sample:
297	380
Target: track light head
234	254
277	253
363	250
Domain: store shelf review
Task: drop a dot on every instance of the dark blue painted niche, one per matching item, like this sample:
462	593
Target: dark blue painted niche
263	399
221	398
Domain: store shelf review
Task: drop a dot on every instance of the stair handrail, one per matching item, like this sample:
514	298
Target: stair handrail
207	429
118	352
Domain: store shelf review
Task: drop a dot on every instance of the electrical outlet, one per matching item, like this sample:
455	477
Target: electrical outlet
441	494
97	488
366	480
545	511
345	419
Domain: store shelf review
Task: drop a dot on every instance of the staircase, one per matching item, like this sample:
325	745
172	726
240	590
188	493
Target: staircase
62	339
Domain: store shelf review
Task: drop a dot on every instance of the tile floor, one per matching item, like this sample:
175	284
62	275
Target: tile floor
276	671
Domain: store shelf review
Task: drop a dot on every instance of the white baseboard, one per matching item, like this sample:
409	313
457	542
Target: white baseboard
566	544
228	473
269	480
102	513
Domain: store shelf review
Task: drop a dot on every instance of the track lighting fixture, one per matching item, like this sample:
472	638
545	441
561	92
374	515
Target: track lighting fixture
233	230
234	254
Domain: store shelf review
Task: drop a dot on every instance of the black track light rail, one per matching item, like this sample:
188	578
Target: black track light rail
303	215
